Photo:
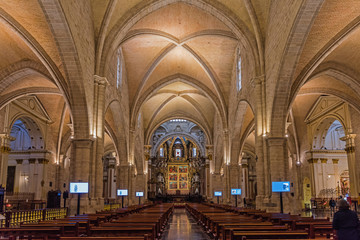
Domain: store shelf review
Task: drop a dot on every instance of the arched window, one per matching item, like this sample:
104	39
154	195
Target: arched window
194	152
161	152
238	75
119	68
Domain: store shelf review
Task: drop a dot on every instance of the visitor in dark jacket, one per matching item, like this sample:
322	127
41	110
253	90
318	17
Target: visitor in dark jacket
346	222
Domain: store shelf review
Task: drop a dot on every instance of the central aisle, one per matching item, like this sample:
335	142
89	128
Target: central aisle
182	226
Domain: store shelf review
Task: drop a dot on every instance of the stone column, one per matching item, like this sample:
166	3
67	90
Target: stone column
245	172
111	177
44	182
4	157
207	179
32	176
80	167
350	152
335	162
226	194
260	149
147	170
100	84
277	149
233	179
18	174
311	162
132	183
323	172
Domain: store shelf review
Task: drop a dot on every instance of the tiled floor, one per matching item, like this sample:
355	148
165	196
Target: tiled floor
182	226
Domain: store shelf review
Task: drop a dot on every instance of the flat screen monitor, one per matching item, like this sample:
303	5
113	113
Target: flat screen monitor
122	192
79	187
139	194
281	186
236	191
218	194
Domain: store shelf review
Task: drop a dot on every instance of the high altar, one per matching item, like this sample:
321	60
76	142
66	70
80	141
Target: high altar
178	167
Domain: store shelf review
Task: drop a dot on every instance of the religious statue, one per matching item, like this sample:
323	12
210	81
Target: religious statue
160	178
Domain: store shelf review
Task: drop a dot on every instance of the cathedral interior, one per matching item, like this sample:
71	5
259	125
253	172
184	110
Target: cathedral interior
179	99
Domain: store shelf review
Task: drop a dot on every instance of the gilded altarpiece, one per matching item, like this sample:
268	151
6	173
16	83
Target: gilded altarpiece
178	177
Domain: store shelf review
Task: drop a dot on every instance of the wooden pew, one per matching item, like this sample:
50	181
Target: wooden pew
239	235
30	233
122	232
104	238
226	231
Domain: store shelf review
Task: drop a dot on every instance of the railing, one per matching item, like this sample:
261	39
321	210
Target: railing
15	218
111	206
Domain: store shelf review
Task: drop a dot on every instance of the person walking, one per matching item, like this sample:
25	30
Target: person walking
346	222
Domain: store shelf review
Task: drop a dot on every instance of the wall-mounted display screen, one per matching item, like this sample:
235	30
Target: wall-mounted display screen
281	186
139	194
218	194
79	187
236	191
122	192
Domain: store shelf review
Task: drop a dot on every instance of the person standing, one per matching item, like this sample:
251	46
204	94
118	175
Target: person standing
346	222
332	205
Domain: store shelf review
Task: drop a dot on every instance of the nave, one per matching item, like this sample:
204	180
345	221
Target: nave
183	226
168	221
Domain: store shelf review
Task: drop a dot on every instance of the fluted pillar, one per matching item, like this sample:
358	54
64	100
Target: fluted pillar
18	170
323	172
311	162
350	152
335	162
43	166
4	157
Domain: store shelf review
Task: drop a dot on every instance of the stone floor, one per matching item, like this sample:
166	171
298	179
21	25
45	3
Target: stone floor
183	226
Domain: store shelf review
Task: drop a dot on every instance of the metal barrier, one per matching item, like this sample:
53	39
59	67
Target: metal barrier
15	218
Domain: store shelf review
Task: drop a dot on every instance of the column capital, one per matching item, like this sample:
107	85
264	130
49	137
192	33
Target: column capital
323	160
32	160
209	151
101	80
335	160
312	160
348	137
350	142
19	161
43	161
